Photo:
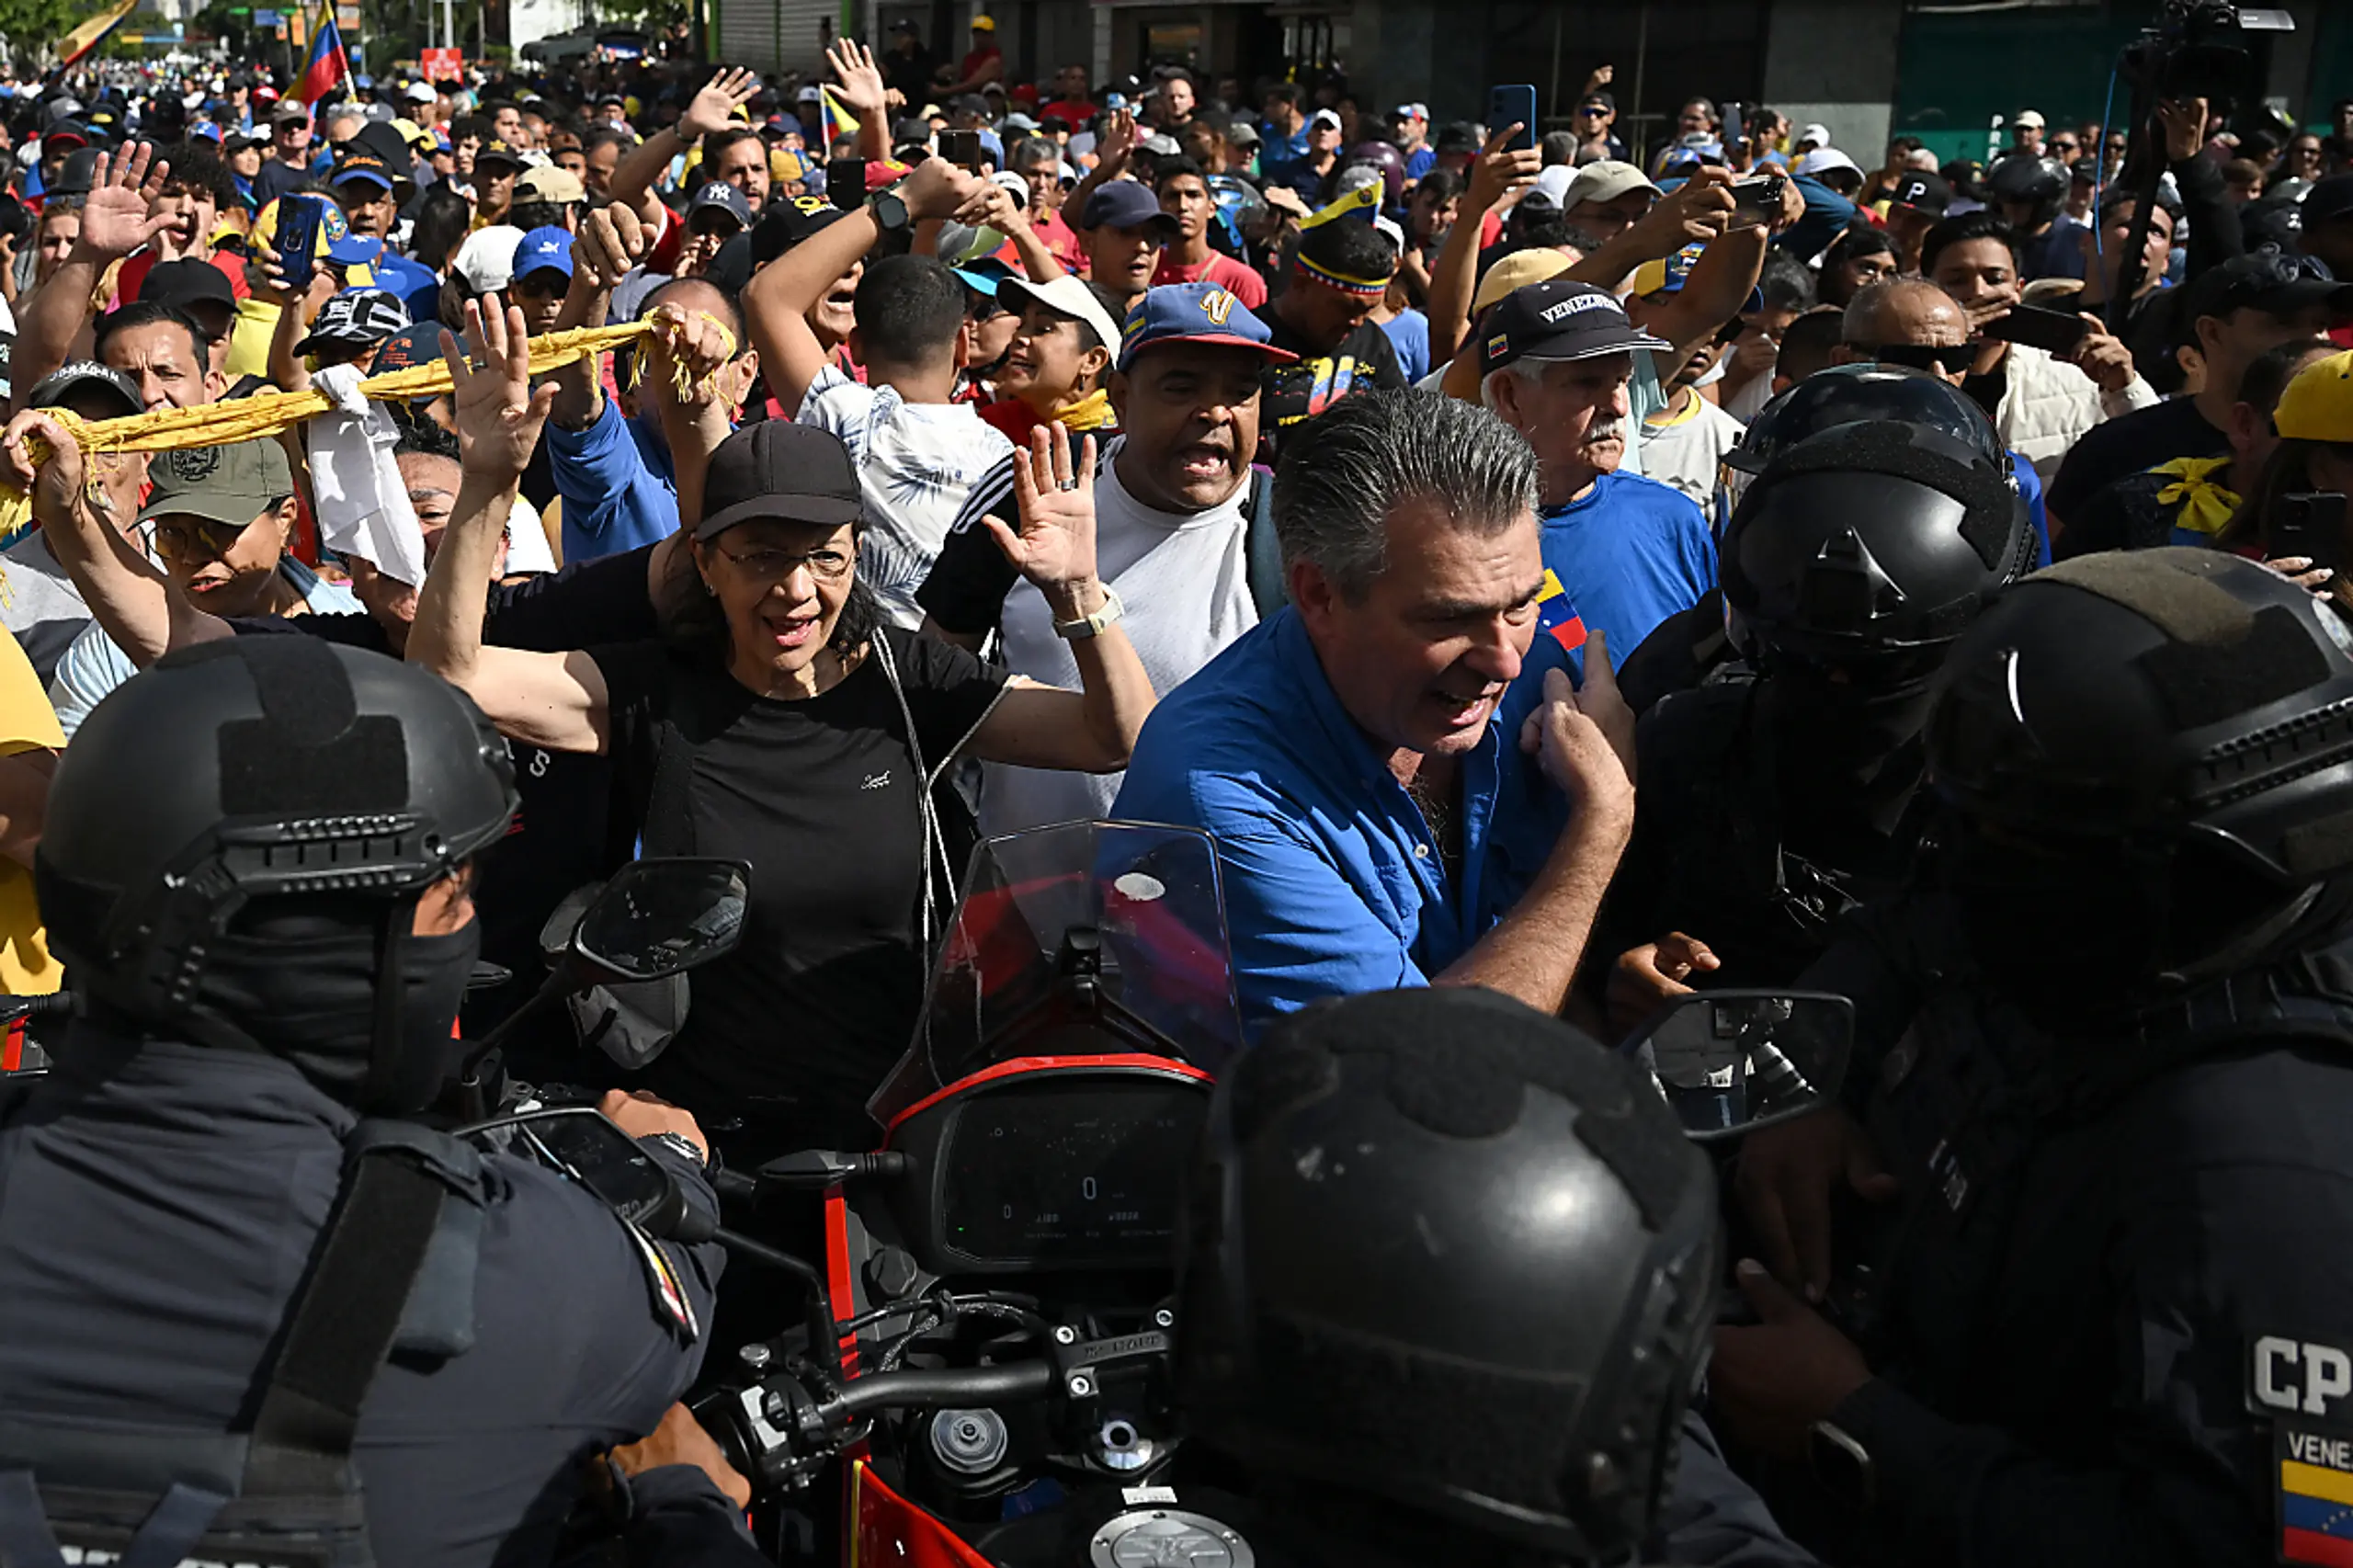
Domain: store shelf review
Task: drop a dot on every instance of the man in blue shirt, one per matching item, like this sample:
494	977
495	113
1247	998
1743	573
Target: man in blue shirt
1409	128
1376	826
1621	552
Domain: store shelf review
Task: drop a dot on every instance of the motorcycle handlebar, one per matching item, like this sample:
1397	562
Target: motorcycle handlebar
1017	1381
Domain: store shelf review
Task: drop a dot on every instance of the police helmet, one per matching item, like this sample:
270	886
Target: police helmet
1445	1258
1854	395
1872	541
2184	706
1387	160
284	772
2039	183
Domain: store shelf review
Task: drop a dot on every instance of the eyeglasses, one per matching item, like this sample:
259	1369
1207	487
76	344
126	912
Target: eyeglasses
2068	146
197	542
1947	358
1592	111
542	285
776	565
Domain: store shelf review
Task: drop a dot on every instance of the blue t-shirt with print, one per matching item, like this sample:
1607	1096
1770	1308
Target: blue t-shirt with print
1623	557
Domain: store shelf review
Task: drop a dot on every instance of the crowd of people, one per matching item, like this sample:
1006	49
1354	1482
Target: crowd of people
1572	573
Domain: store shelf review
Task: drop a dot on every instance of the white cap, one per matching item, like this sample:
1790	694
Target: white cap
1923	159
1324	116
1822	158
1013	183
810	96
486	261
1552	185
1605	179
2028	116
421	93
1817	133
1071	296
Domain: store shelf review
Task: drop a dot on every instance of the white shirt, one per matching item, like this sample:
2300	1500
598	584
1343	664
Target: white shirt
1185	579
1689	453
915	463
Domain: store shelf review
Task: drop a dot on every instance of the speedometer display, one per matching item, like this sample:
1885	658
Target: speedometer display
1074	1175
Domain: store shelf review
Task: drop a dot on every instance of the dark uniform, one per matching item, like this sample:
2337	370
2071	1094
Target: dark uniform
158	1205
2107	1052
2094	1236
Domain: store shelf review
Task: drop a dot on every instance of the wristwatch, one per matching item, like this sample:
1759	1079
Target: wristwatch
1089	625
1842	1465
890	209
680	1144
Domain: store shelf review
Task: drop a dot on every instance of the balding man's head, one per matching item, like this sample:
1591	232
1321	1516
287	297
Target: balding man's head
1904	312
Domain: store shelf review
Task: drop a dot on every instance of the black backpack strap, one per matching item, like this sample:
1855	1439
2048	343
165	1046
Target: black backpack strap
669	820
1262	552
345	1320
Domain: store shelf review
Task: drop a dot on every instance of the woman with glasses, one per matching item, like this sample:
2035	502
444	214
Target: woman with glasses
221	520
790	725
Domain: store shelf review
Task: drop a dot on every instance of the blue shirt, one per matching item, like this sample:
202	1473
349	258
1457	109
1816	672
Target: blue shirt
1333	885
2030	491
1275	147
1409	334
1628	554
1419	161
418	286
613	502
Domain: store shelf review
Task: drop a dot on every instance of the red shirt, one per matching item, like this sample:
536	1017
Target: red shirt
1228	274
974	61
1061	242
1078	111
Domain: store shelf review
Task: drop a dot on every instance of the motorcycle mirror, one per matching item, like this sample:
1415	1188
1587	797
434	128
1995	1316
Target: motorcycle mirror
1730	1062
659	917
583	1143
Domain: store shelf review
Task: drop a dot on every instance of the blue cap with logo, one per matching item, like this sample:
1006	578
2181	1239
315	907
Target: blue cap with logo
542	249
1195	312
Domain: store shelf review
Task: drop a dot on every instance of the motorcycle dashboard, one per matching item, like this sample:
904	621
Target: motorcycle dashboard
1064	1172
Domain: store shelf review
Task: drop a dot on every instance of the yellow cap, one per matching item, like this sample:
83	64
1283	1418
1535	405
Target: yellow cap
984	24
2318	404
1515	272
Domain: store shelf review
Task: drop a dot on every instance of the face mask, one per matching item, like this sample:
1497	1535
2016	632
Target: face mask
304	987
2062	935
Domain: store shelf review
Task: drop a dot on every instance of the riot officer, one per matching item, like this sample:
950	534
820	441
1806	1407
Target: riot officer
1782	792
1449	1273
2106	1049
255	1314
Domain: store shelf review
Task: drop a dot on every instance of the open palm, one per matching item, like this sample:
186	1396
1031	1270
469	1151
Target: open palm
119	216
498	416
861	81
1056	544
715	106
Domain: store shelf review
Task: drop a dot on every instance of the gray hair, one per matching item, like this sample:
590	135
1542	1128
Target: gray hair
1529	372
1347	470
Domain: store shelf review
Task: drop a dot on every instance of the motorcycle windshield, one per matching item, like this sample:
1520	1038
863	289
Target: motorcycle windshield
1083	939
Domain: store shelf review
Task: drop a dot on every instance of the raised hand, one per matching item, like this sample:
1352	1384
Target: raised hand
57	480
1499	171
1055	547
611	243
498	416
119	215
861	80
693	340
1118	142
714	108
939	189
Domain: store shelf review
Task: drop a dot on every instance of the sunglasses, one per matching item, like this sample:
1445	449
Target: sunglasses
197	542
1945	358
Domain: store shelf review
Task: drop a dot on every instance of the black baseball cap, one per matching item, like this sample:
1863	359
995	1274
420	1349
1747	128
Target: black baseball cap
788	222
774	468
90	389
2328	198
1559	319
2269	279
497	152
1457	136
1924	193
188	281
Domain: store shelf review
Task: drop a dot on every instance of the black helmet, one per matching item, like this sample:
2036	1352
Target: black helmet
2182	720
235	844
1450	1257
1872	541
1856	394
2039	182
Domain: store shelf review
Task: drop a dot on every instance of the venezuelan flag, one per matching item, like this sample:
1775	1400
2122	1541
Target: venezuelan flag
2316	1515
92	33
836	119
1557	617
327	66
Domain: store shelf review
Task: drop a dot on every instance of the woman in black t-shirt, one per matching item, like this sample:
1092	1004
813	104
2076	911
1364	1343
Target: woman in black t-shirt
797	731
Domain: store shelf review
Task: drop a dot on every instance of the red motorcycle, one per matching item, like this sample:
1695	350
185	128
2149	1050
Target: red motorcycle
986	1383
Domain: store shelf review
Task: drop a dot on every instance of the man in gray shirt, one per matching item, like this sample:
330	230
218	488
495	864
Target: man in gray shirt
38	602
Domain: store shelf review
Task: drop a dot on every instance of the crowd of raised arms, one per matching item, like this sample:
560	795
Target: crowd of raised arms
1612	853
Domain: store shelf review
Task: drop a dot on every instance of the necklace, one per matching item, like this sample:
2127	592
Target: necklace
1437	806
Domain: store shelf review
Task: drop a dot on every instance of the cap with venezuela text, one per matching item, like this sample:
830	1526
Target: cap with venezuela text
1560	320
1195	312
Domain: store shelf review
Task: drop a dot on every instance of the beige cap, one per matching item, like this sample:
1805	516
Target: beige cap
1605	179
549	183
1515	272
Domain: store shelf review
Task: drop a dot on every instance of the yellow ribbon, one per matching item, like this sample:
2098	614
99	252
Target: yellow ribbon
271	414
2206	504
1090	412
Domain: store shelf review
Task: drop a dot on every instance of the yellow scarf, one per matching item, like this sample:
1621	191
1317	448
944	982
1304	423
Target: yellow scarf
1090	412
2206	506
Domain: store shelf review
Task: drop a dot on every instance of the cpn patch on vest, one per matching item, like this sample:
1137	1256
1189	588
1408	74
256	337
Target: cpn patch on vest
2300	1384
